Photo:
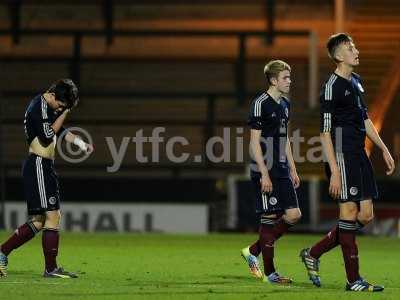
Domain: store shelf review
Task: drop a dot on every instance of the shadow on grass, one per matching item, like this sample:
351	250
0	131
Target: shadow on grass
247	279
164	284
235	277
24	272
209	291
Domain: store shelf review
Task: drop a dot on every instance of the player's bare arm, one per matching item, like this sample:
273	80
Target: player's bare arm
373	134
266	183
58	123
335	185
76	140
293	172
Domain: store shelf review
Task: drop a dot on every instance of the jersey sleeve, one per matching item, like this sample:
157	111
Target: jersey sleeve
364	109
41	123
326	100
62	132
255	115
287	101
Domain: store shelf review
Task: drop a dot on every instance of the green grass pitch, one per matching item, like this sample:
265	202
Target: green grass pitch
135	266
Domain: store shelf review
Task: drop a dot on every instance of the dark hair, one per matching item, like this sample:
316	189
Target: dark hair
65	91
335	41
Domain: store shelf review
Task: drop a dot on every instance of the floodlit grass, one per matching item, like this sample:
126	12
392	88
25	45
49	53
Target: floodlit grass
134	266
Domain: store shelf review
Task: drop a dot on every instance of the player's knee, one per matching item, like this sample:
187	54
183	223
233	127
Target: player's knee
293	217
53	215
366	218
349	213
51	224
38	225
37	221
53	219
268	220
296	218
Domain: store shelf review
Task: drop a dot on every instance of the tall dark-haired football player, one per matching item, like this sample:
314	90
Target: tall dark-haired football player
43	122
344	127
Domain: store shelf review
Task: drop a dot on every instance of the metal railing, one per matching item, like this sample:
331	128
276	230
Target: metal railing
76	58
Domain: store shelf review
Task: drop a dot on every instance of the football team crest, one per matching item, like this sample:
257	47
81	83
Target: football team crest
273	201
52	200
353	191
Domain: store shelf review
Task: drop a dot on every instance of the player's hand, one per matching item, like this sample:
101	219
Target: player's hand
295	179
335	186
389	162
61	112
266	184
89	148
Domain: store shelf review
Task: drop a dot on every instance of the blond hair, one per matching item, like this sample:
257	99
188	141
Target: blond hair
274	67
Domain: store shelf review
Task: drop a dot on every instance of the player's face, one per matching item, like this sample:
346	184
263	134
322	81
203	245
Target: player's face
283	82
57	105
348	54
60	106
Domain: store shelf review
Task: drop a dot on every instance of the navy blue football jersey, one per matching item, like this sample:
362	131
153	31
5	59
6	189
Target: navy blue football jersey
39	117
343	112
272	119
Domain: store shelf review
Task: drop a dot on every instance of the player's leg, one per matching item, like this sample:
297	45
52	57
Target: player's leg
50	239
347	239
370	191
366	214
266	242
286	200
27	231
288	220
283	198
327	243
50	235
255	248
331	239
250	253
347	229
282	225
50	245
268	205
310	256
22	234
352	194
350	170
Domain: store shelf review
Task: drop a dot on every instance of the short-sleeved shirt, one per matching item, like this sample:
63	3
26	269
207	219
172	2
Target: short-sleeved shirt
39	117
343	112
272	119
